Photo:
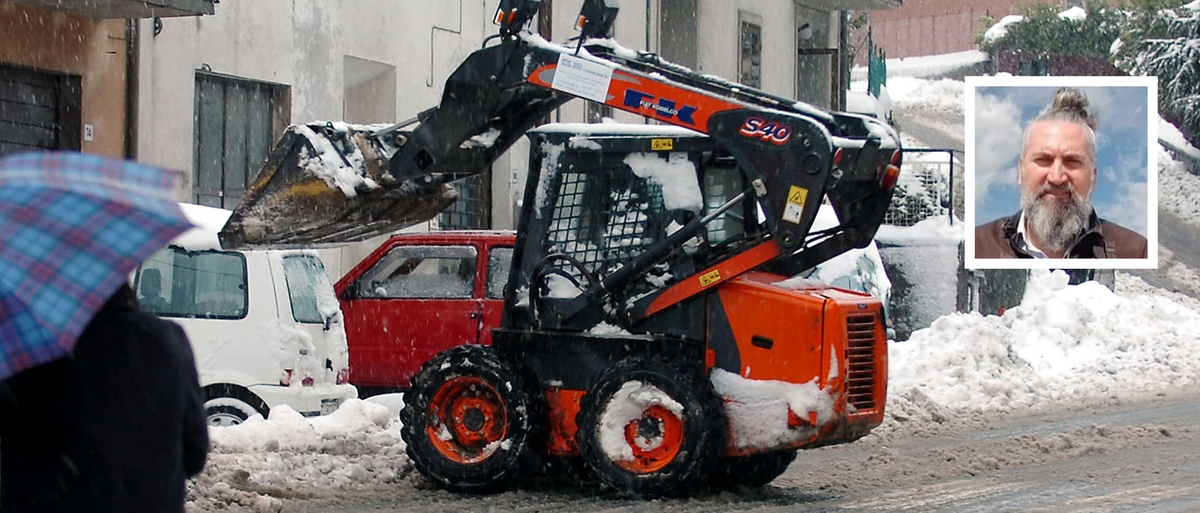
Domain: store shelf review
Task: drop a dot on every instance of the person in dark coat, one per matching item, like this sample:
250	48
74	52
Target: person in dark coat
117	427
1057	175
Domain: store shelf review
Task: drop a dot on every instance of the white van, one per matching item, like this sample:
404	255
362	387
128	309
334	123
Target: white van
265	326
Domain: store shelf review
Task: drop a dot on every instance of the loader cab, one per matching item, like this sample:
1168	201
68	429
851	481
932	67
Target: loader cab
606	195
263	324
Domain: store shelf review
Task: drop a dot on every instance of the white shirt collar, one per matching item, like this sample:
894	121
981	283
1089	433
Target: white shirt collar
1024	241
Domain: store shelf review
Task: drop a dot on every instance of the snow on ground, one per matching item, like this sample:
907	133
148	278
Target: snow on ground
1177	188
945	95
1062	344
924	66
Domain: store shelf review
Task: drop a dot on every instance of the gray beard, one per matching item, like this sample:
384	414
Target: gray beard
1057	223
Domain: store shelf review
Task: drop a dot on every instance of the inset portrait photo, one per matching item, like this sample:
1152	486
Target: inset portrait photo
1061	172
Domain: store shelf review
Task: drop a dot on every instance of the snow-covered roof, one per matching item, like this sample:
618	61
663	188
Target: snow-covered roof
208	221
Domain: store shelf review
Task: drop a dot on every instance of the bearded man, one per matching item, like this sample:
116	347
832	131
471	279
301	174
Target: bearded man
1057	175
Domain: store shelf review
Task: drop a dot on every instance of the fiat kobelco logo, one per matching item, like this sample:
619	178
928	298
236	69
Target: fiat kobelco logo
661	106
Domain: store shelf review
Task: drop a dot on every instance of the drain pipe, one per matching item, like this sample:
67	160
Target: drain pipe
132	54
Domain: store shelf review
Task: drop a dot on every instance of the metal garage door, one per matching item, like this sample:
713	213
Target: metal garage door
38	110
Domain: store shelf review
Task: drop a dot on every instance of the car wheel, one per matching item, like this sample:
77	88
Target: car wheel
754	471
470	422
651	428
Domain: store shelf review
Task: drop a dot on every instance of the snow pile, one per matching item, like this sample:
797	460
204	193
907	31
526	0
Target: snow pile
944	95
627	405
758	409
935	231
1062	343
290	456
925	65
1177	187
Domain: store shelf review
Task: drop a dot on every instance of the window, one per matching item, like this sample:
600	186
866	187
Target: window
432	272
193	284
235	127
499	265
472	210
723	182
596	112
750	62
677	32
308	287
39	110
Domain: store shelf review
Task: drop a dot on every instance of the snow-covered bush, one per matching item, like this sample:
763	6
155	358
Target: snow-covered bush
1166	43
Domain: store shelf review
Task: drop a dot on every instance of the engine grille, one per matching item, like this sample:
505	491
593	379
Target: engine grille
860	356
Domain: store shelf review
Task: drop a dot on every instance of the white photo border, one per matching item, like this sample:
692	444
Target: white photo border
1151	262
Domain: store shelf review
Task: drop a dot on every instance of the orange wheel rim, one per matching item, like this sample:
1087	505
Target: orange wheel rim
467	420
654	438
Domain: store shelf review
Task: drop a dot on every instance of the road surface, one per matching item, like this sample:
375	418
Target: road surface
1139	454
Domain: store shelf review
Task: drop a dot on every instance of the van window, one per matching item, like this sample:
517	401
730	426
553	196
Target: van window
194	284
499	264
306	281
430	272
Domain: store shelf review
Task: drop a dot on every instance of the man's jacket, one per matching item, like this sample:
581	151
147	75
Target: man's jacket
116	427
1102	239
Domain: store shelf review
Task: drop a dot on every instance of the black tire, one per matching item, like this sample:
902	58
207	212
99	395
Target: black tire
753	471
470	421
230	405
681	444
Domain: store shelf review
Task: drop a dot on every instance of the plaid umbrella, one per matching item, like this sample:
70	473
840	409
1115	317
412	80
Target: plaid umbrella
72	227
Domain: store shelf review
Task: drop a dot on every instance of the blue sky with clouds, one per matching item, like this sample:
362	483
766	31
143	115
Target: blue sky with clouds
1002	112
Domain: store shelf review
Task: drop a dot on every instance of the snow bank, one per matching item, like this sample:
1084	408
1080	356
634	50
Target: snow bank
1169	135
253	464
935	231
925	65
1062	343
1177	188
944	95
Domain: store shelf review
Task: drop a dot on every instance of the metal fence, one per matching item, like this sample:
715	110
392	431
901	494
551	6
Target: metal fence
926	186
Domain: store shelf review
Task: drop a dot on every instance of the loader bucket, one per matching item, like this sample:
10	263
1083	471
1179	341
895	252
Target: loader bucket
329	184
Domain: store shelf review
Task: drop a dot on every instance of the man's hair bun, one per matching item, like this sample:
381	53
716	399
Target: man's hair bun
1070	104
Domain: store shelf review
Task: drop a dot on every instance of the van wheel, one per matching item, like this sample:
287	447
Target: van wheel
227	411
651	428
230	405
470	421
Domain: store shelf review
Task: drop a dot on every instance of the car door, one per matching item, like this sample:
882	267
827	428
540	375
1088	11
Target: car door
499	263
415	302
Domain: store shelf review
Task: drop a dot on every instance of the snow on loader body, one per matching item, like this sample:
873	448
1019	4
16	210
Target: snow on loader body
649	327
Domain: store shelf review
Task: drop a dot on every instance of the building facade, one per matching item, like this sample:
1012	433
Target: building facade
209	95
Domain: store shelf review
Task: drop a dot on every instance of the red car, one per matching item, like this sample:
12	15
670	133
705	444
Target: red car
417	295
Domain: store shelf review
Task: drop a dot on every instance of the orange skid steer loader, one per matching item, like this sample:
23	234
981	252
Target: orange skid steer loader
650	326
